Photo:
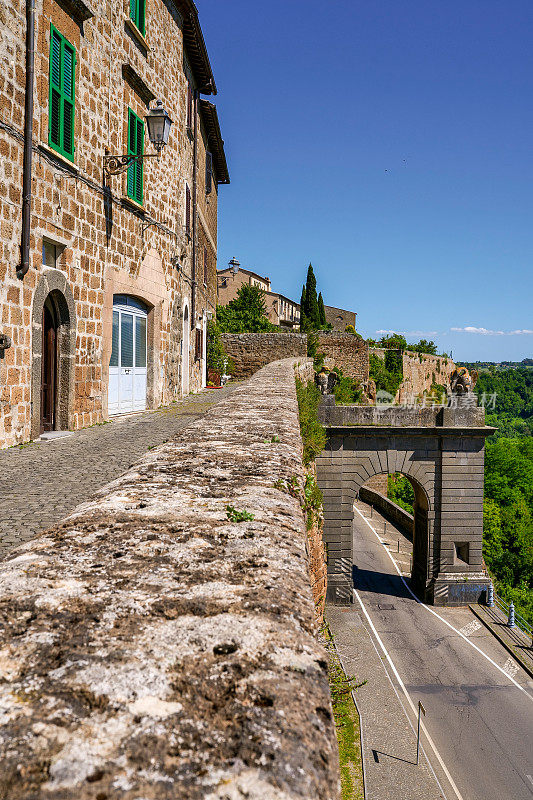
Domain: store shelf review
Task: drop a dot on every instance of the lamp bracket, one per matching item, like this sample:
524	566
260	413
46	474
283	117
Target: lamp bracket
114	165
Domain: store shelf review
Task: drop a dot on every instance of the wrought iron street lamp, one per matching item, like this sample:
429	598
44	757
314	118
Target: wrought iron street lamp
158	123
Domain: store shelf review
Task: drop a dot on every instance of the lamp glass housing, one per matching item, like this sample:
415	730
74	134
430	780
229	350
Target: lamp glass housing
158	123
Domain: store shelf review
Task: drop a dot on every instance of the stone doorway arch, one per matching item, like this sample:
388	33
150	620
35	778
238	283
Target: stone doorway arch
53	299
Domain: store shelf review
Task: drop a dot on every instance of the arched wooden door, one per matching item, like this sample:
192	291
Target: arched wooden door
49	367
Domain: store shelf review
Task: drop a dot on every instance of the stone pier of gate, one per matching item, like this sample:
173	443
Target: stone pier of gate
440	450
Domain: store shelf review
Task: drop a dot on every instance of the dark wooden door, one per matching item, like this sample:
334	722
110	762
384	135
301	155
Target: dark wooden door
48	370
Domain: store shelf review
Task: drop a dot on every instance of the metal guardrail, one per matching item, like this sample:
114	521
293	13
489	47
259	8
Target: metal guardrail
514	619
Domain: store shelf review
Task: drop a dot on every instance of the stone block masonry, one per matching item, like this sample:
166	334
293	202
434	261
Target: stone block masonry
251	351
154	648
346	351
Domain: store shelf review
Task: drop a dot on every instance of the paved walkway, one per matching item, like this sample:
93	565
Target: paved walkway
42	482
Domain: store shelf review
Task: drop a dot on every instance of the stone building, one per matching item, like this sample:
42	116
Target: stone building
230	281
339	318
281	310
106	301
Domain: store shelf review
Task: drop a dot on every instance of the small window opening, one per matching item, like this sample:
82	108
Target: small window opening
462	555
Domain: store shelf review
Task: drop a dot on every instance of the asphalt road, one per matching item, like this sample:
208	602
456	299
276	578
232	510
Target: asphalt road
479	720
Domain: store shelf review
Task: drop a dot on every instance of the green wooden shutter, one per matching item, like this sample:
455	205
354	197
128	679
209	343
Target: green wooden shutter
139	164
138	14
135	148
61	108
68	98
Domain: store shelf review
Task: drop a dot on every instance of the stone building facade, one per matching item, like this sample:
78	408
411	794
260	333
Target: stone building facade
111	314
281	310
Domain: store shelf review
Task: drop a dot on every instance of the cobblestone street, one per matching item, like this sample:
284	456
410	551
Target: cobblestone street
44	481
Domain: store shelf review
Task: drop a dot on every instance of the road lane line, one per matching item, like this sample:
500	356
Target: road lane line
448	624
408	698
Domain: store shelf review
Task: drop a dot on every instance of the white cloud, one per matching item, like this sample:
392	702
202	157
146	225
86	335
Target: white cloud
488	332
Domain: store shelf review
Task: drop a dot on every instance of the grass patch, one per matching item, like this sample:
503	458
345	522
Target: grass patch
313	433
346	724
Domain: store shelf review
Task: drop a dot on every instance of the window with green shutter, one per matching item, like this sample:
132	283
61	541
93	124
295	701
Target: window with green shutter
61	95
135	148
137	14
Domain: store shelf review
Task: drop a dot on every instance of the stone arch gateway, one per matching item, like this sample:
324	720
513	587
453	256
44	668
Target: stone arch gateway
441	451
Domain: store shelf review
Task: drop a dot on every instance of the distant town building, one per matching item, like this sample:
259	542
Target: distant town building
282	311
339	318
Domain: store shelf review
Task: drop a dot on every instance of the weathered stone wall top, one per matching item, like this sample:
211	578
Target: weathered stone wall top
152	648
251	351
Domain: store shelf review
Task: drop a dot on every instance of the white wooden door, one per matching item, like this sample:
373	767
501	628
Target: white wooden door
127	367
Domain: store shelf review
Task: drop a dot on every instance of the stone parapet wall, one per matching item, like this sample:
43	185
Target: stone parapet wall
152	647
346	351
251	351
392	511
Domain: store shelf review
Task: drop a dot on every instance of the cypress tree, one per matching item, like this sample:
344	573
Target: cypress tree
303	320
311	300
321	309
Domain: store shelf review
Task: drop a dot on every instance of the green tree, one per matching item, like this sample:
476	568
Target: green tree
303	319
311	300
424	346
321	310
246	313
393	341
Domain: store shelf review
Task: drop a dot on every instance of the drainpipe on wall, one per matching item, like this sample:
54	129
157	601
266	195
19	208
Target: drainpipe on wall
194	211
28	141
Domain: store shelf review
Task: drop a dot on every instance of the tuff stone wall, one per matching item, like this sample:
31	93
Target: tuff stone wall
151	647
420	371
346	351
251	351
106	243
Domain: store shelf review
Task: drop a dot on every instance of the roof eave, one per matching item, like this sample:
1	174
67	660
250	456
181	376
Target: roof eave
215	140
194	44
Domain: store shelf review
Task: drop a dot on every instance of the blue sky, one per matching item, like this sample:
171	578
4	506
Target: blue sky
389	142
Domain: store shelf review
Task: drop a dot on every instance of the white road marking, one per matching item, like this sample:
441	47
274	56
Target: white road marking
449	625
510	667
530	779
412	705
471	628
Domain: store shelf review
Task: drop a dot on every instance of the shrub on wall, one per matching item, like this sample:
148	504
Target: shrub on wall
387	377
313	433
